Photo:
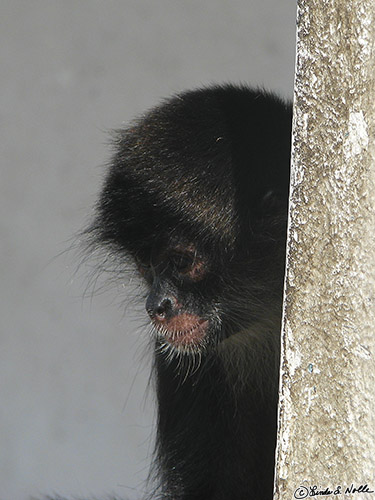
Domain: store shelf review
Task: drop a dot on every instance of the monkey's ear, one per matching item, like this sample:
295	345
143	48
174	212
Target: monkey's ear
272	202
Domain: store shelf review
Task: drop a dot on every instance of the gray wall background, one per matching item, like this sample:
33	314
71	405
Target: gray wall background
75	417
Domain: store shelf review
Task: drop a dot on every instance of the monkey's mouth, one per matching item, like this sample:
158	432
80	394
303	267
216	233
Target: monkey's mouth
183	330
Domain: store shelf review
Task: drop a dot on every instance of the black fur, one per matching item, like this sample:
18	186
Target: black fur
206	175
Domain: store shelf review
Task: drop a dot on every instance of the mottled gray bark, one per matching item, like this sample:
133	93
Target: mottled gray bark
327	395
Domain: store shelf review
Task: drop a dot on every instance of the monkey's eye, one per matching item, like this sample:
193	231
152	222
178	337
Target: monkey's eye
143	268
188	264
182	262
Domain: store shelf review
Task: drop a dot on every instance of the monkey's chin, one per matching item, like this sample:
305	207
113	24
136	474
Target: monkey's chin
191	334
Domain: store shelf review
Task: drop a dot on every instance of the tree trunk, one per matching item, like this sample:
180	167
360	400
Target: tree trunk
326	436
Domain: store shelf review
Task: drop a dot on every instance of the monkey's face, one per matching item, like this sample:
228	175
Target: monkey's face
199	297
181	301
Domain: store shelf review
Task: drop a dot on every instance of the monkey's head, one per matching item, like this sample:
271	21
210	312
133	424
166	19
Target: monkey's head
197	195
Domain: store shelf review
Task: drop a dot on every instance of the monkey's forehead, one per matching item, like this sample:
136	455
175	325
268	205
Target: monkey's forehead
135	212
200	163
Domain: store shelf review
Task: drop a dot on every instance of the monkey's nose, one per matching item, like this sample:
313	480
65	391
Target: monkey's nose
159	310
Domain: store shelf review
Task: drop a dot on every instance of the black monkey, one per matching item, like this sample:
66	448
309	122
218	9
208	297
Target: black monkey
197	195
